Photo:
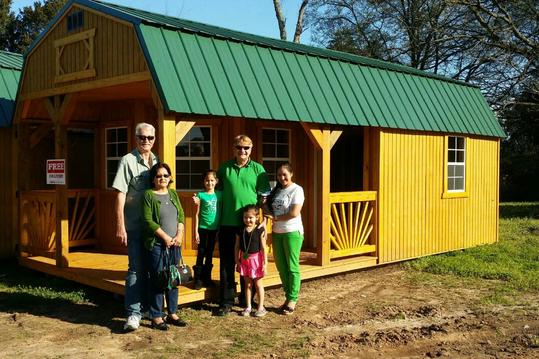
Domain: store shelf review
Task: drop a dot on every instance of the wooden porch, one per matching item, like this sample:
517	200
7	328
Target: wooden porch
351	234
108	271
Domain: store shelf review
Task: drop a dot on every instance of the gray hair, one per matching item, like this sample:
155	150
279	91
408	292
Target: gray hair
144	125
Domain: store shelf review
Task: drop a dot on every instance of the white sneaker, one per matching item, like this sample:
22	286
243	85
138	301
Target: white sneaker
132	323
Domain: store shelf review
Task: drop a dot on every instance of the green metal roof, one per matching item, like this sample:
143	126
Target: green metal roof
10	72
215	76
207	70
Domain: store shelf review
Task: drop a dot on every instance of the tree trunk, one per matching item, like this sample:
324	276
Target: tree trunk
280	18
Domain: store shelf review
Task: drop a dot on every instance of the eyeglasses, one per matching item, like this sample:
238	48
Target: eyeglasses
142	137
245	148
161	176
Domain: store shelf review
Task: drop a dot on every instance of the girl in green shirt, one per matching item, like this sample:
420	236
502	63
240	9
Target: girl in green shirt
208	210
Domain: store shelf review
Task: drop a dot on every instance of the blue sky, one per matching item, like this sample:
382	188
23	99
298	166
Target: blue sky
252	16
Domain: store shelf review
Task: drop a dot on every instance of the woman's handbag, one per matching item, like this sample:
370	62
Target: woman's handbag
171	276
184	271
168	277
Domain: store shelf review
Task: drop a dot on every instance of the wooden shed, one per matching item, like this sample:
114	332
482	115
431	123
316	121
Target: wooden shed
10	72
396	163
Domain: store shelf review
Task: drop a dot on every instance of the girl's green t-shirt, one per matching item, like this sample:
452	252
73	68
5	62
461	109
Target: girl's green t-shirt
208	216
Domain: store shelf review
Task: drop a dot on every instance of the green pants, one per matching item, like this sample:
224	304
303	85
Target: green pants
286	249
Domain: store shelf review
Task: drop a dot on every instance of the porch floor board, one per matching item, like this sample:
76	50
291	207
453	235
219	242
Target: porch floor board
107	271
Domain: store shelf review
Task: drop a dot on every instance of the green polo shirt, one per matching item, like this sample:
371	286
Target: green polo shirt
241	186
133	178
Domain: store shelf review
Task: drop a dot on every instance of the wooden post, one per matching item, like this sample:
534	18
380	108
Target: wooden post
324	190
323	139
62	214
60	109
166	136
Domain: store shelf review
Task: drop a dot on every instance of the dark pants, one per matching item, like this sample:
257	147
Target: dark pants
205	247
227	287
156	294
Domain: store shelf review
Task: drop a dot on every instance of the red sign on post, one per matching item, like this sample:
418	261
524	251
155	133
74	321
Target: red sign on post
56	171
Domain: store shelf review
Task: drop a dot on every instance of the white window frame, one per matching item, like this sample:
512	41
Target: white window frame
119	154
275	143
199	184
453	146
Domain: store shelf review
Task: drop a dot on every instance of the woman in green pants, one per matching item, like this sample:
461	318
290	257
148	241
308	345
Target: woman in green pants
285	202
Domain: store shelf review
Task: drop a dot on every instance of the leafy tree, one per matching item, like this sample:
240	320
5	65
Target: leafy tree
510	30
417	33
29	23
6	19
520	150
492	43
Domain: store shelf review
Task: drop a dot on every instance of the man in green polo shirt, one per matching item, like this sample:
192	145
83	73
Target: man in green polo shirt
242	181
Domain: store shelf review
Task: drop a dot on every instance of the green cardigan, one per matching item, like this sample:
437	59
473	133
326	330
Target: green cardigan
151	215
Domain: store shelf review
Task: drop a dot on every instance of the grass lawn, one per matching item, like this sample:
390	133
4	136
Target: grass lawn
513	261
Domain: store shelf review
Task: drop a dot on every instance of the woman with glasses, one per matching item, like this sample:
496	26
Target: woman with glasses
242	182
164	219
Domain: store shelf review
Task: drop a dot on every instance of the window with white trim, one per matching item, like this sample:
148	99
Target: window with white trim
275	150
456	164
115	147
193	158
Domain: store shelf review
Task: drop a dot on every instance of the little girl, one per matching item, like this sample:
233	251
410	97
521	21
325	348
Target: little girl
208	203
252	258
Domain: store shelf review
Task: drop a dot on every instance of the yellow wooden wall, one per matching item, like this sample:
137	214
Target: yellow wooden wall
414	218
116	54
8	200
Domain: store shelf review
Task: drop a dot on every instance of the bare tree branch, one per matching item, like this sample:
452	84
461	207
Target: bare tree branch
299	23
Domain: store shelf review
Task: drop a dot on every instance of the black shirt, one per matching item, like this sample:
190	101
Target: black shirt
251	240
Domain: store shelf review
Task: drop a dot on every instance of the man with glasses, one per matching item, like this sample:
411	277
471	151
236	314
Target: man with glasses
242	181
131	180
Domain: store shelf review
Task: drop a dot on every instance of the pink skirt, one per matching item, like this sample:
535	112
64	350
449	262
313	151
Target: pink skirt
252	267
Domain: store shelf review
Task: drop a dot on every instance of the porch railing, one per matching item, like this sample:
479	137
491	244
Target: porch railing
38	220
352	223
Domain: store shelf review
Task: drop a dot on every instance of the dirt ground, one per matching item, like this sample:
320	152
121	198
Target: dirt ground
386	312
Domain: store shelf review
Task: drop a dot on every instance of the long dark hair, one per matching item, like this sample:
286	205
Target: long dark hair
155	168
209	172
278	186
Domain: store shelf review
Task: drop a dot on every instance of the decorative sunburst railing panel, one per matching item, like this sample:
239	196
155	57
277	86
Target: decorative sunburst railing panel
352	223
38	220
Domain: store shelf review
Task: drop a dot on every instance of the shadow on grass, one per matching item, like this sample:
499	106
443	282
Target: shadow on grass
26	291
519	210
